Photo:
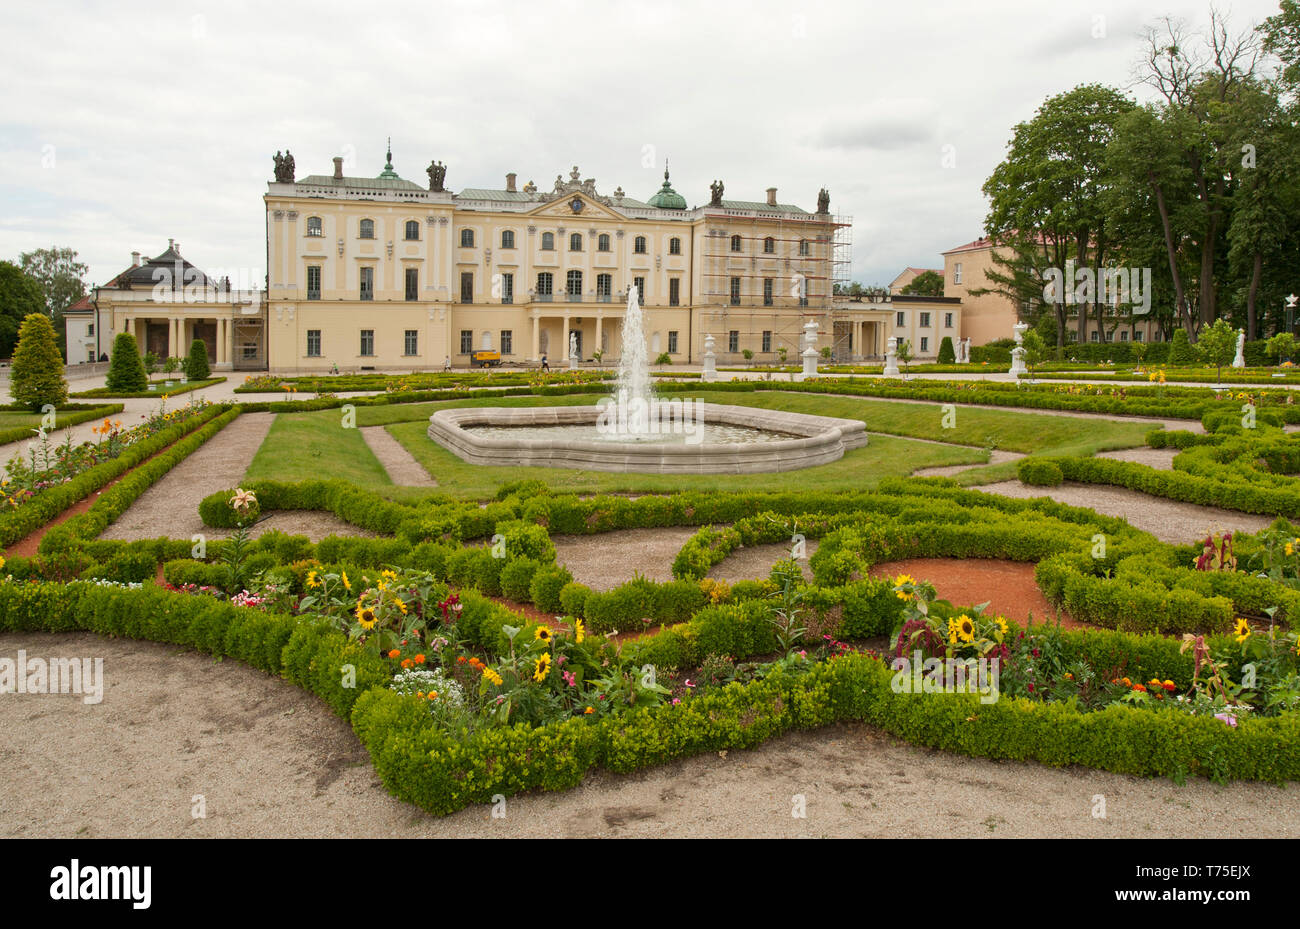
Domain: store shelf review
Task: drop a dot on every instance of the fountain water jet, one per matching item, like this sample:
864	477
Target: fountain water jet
634	394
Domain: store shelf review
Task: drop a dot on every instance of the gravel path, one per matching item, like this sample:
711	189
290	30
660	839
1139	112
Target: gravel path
755	562
1162	458
171	506
400	464
604	561
1167	520
996	456
269	760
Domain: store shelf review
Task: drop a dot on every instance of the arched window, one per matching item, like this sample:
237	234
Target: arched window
638	245
508	238
467	238
735	243
602	242
548	241
575	242
574	285
674	246
412	230
314	226
769	246
803	248
545	283
367	228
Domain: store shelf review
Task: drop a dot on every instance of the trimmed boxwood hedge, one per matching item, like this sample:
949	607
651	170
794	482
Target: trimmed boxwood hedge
69	415
442	771
1039	472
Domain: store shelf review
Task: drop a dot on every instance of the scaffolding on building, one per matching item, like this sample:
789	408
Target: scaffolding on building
783	263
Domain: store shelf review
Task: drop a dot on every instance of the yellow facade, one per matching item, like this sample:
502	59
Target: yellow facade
384	274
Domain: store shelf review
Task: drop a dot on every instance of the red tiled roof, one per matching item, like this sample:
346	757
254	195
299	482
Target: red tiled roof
82	305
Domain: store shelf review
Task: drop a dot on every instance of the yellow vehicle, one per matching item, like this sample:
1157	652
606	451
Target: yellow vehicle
485	360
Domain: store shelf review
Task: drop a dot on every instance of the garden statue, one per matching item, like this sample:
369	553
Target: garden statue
1240	360
710	359
891	357
824	201
1018	353
715	189
573	350
809	353
284	167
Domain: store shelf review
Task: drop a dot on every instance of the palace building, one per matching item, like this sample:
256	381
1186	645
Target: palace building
386	274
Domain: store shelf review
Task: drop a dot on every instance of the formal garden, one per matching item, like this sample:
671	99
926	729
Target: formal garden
472	662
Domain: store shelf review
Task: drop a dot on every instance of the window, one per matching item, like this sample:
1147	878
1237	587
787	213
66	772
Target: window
507	288
1137	336
769	287
769	246
90	328
925	321
313	343
412	230
367	283
674	246
1123	336
604	287
367	341
466	341
672	341
507	341
1093	336
545	283
767	340
367	229
467	238
507	238
412	342
947	320
313	282
638	245
956	273
602	242
674	291
467	287
901	318
90	356
735	291
803	248
412	283
639	282
736	243
575	241
573	285
548	241
925	344
314	226
733	340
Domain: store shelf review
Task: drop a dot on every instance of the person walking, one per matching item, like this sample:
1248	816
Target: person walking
446	365
545	364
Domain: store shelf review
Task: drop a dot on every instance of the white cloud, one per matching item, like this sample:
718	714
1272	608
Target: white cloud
163	122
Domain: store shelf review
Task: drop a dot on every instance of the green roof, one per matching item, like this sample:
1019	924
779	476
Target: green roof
667	198
484	193
760	206
360	183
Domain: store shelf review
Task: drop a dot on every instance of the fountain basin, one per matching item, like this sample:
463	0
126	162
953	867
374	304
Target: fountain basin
808	441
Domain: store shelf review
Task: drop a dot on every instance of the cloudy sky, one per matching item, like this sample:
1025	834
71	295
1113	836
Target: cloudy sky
123	125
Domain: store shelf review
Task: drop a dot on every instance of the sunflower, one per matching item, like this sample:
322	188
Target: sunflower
311	578
346	585
1242	630
542	634
965	628
579	631
390	574
401	604
492	676
366	617
542	667
1002	624
1289	548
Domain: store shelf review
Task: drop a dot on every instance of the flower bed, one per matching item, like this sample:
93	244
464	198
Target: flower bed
70	415
161	388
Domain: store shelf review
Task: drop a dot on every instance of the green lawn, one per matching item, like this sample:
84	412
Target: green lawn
312	446
885	456
1011	430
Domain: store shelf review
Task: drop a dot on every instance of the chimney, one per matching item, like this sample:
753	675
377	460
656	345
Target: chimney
177	247
510	182
338	167
135	259
771	196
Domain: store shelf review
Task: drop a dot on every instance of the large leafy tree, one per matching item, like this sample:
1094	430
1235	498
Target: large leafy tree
925	284
1047	197
62	280
20	296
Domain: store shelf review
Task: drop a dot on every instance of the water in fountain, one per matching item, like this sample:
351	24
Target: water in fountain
635	394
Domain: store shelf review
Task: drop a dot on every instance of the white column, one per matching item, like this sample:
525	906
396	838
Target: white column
537	352
600	319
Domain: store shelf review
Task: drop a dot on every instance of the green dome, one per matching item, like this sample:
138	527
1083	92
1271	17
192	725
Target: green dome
667	198
388	166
